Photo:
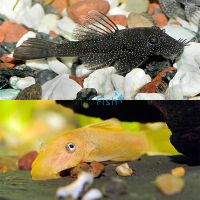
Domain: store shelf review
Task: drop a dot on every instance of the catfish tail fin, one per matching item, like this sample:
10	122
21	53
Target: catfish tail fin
35	48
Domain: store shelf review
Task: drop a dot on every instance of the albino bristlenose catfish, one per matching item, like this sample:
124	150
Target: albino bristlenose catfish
104	141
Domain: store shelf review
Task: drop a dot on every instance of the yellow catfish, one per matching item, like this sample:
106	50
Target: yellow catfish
104	141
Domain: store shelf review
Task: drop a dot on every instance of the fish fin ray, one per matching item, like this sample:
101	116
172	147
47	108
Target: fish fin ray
111	124
96	25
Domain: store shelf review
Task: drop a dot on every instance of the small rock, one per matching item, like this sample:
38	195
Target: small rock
8	94
45	75
137	6
119	20
80	10
134	81
74	172
78	80
66	25
115	188
3	82
118	83
169	184
25	162
59	5
45	26
176	31
174	93
57	66
82	71
154	7
139	20
150	87
21	83
32	19
149	96
124	170
190	84
13	32
100	80
86	94
6	48
178	171
160	19
97	168
93	194
60	88
15	15
41	64
33	92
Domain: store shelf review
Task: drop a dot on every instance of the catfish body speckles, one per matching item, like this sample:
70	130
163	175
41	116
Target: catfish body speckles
101	44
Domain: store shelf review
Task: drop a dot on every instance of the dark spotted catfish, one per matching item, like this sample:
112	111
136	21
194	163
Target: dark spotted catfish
101	44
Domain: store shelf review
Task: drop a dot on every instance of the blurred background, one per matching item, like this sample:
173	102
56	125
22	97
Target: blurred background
25	125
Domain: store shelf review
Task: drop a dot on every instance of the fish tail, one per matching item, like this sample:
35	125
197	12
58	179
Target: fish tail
35	48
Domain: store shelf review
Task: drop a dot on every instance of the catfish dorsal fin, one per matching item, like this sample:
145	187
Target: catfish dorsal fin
111	124
96	25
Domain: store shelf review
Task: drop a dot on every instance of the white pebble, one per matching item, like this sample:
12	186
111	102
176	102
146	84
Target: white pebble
32	19
60	88
93	194
190	84
21	83
66	25
174	93
118	82
149	96
75	189
82	71
8	94
134	81
17	14
41	64
45	26
177	32
57	66
100	80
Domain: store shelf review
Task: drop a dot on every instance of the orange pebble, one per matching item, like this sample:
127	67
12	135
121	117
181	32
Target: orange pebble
160	19
152	7
119	19
178	171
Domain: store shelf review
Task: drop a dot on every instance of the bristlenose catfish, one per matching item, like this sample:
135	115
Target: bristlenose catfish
101	44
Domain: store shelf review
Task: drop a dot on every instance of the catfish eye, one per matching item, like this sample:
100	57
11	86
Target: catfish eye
70	147
153	40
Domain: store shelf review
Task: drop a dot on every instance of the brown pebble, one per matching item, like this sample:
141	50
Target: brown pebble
74	172
25	162
34	92
97	168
